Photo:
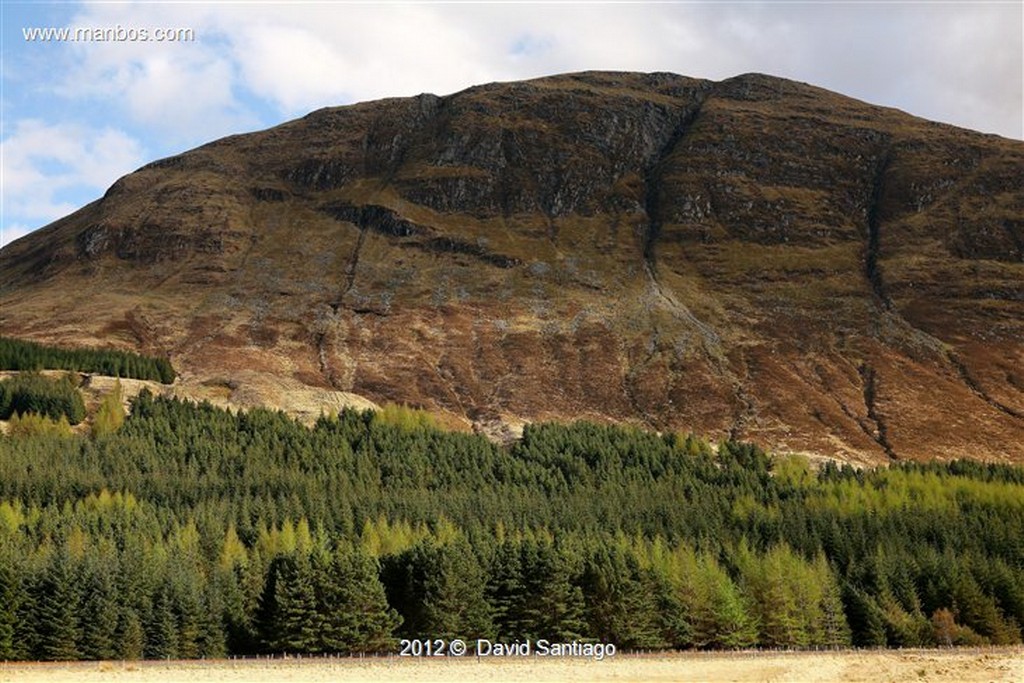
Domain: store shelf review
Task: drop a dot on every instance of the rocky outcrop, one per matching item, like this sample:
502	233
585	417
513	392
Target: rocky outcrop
754	258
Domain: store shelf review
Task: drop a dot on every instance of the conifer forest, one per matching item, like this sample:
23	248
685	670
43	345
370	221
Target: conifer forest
185	531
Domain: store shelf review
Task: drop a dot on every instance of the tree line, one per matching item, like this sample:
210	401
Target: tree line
16	354
191	531
32	393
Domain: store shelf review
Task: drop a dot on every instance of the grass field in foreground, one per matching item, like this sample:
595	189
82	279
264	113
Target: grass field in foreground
962	666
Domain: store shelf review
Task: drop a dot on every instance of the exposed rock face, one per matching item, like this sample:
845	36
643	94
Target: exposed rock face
755	257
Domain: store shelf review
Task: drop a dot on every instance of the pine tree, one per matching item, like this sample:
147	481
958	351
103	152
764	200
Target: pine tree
189	617
240	633
353	607
212	639
289	620
33	424
58	609
772	582
505	590
99	614
867	625
27	636
533	593
712	611
622	600
440	592
10	599
131	637
162	627
978	611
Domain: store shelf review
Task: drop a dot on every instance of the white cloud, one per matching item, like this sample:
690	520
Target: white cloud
184	90
977	77
299	57
291	66
337	53
43	162
959	63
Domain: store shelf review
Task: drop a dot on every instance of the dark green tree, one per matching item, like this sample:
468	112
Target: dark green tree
131	637
622	600
11	597
58	607
161	627
440	592
353	607
535	595
867	623
99	613
289	620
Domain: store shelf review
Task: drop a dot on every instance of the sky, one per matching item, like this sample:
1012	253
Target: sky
75	115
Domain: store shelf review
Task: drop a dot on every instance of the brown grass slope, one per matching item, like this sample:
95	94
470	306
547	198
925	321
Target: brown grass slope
753	257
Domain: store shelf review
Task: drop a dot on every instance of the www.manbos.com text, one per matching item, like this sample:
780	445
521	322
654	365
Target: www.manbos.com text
108	34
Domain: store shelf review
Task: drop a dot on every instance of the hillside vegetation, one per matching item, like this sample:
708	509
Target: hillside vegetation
191	531
32	393
17	354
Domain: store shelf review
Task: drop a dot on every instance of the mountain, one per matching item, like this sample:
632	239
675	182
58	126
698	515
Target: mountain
755	258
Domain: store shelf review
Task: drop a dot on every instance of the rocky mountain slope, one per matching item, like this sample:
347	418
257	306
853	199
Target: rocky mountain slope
753	257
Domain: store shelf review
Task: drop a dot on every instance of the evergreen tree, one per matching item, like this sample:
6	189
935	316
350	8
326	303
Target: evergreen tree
32	424
189	617
131	637
622	600
867	625
239	630
57	603
779	590
22	355
99	614
193	531
353	607
212	639
439	591
978	611
34	393
834	630
289	620
534	595
161	627
11	598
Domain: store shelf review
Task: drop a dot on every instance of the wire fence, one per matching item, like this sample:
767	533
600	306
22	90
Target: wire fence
620	653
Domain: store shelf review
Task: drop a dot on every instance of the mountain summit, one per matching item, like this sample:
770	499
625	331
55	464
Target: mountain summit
754	258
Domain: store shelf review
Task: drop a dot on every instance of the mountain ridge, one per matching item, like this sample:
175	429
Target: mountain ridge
754	258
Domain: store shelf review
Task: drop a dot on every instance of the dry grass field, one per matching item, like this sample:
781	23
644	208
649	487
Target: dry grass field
960	666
